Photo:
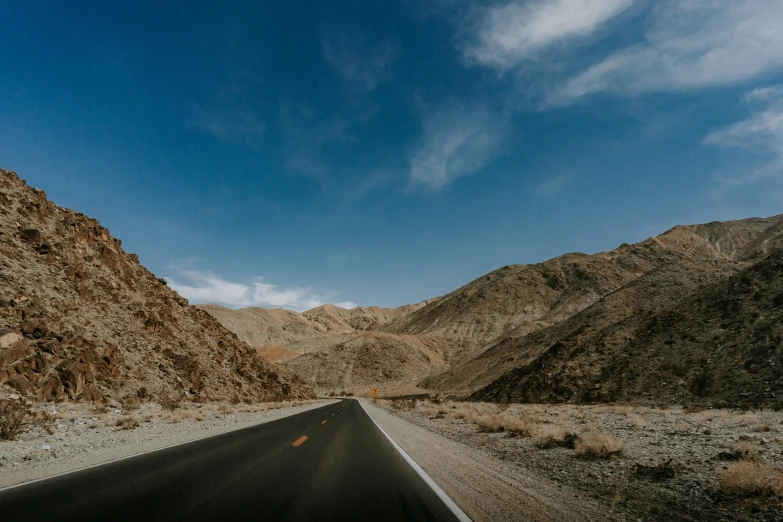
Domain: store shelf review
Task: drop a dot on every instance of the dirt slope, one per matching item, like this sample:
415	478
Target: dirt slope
264	326
276	354
367	359
81	319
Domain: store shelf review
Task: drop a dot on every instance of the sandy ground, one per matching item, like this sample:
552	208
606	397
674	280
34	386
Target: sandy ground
485	487
667	468
82	436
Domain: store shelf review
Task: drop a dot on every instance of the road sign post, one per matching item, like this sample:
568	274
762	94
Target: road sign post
375	395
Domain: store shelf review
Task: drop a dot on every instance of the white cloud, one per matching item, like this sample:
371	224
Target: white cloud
761	131
457	141
205	287
507	34
365	66
690	44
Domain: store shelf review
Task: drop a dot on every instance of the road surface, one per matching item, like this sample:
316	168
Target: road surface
331	463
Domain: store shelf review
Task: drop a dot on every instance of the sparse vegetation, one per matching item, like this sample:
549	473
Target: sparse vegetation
748	477
14	418
168	402
597	445
551	436
127	423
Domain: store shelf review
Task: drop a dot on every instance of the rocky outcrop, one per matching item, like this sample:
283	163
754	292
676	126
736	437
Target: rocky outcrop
82	320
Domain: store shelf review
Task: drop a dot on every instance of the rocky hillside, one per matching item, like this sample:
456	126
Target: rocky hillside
364	360
517	300
82	320
722	343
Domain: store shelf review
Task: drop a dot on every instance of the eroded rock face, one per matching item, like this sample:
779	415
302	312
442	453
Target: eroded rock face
82	320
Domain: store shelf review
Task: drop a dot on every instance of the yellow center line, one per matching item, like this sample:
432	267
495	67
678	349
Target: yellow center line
300	441
324	422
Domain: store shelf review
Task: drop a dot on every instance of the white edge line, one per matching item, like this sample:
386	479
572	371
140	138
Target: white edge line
12	486
461	515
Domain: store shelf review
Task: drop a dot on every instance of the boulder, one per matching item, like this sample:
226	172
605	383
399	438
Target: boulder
31	235
14	352
50	388
20	383
8	337
74	377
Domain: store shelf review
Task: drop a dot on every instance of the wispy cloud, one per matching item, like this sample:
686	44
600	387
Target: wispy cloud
232	114
761	131
554	185
306	134
205	287
690	44
457	141
508	33
364	65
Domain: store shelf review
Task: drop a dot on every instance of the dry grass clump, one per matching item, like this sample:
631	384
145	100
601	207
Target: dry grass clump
493	423
427	411
168	402
127	423
551	436
599	445
459	414
488	423
748	477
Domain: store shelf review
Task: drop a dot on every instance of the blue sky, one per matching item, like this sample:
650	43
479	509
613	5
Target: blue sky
383	153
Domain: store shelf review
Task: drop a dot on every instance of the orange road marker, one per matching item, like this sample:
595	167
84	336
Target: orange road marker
300	441
324	422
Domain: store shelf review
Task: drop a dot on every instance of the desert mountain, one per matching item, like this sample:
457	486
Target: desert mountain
723	342
303	331
81	319
367	359
555	331
519	299
338	354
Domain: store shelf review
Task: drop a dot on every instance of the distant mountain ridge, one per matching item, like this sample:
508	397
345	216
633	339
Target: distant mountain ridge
520	332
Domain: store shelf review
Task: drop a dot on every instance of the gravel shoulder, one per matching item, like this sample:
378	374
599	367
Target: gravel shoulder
500	461
484	486
82	436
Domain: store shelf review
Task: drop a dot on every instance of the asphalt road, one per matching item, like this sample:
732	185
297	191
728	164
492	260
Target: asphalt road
330	463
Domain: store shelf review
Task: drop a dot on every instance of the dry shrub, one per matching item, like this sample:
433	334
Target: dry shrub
168	402
130	403
761	427
599	445
459	414
549	436
488	423
127	423
518	427
743	450
751	478
14	418
427	411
